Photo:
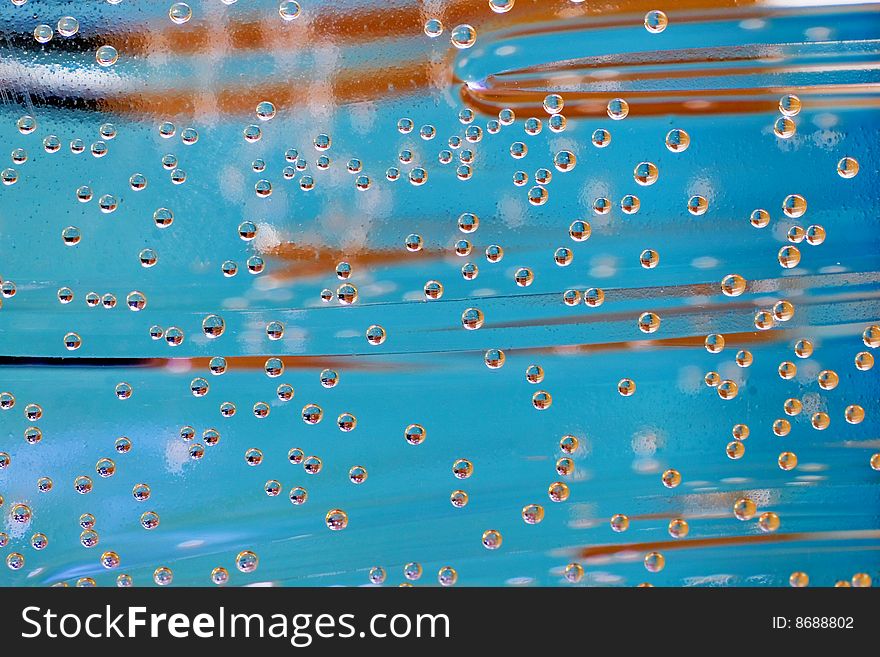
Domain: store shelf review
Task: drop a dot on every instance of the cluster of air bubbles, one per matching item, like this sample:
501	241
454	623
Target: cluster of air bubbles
462	153
789	106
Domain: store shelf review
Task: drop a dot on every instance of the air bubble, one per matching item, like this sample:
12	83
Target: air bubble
656	21
463	36
106	55
847	167
180	13
617	109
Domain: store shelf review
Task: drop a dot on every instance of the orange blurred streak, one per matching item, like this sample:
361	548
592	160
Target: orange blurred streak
685	101
306	260
347	86
731	340
301	363
360	362
296	362
723	541
327	25
356	25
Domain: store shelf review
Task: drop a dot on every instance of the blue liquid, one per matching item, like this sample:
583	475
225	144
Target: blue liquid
716	73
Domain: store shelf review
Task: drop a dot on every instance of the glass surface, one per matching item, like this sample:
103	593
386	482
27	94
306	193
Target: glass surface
346	73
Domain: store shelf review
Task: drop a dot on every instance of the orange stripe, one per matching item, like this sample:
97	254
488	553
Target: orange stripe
349	86
306	260
657	103
722	541
296	362
324	25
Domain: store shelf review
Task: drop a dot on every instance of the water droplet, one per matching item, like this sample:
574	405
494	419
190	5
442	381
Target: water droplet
828	379
68	26
542	400
671	478
149	520
789	256
697	205
654	562
815	235
630	204
82	484
71	236
619	522
163	576
626	387
43	33
864	361
556	123
847	167
492	539
759	218
412	571
472	319
462	469
72	341
553	103
275	330
656	21
678	528
458	499
110	560
463	36
787	370
106	55
784	127
433	27
253	456
727	389
794	206
105	467
646	173
377	575
768	521
336	519
501	6
744	509
649	322
789	105
601	138
376	335
213	326
714	343
617	109
558	491
447	576
289	10
677	140
532	514
180	13
89	538
538	195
